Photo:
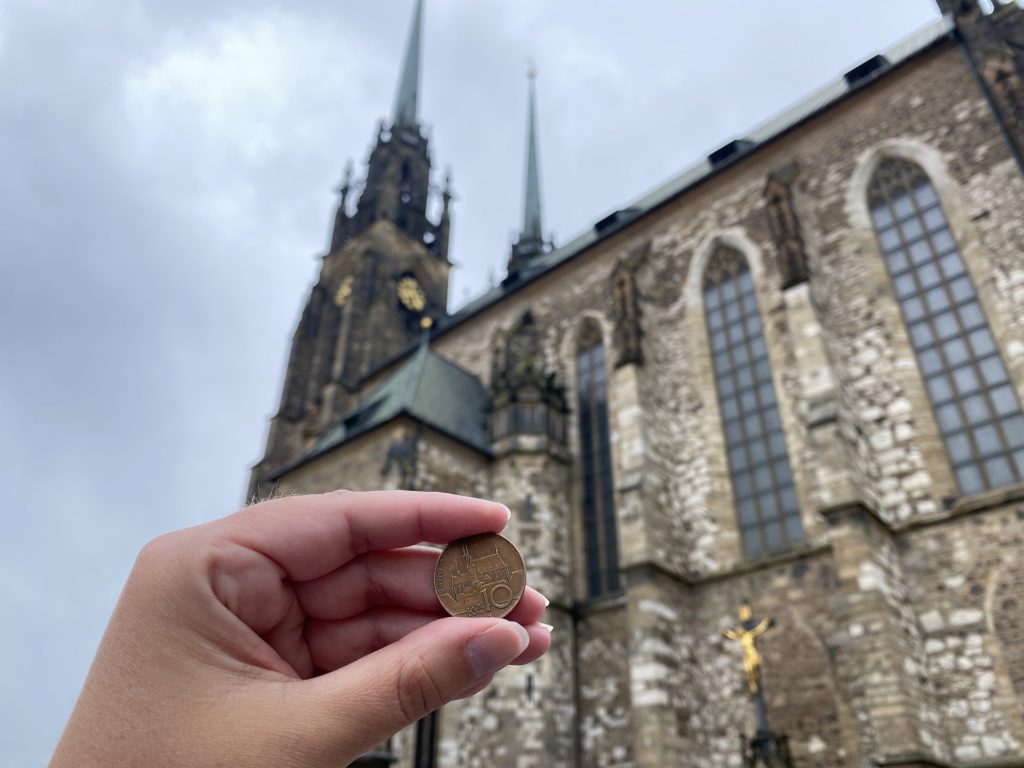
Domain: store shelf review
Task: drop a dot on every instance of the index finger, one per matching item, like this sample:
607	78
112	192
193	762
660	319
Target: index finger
309	536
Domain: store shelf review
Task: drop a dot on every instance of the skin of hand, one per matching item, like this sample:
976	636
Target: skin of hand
301	631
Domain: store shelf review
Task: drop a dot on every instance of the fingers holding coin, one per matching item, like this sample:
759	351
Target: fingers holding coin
397	578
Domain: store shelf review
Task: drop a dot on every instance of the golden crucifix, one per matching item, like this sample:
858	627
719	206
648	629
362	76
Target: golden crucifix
746	633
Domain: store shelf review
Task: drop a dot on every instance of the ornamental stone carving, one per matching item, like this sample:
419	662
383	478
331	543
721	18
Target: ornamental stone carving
628	332
784	226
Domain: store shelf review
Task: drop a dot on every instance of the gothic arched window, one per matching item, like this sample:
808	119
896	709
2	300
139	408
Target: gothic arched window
762	483
976	408
601	551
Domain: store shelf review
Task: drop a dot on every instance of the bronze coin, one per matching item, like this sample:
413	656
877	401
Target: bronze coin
482	575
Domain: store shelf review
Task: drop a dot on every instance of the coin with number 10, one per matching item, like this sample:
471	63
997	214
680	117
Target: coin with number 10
482	575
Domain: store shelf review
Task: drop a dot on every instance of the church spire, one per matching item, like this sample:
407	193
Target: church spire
530	242
531	207
409	84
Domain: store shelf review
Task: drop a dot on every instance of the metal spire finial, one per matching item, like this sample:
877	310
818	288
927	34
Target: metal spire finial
408	85
447	193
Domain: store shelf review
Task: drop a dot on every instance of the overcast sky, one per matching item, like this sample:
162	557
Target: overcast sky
167	177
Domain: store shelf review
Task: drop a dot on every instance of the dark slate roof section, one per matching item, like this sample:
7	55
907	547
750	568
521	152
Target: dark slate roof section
874	67
427	388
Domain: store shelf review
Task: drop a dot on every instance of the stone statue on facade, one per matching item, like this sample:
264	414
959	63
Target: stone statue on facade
765	749
628	331
784	226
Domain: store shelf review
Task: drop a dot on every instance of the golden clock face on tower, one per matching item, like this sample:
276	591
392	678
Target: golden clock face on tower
410	294
344	291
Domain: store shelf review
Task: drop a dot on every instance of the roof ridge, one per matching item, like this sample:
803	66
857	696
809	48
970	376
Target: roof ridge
417	365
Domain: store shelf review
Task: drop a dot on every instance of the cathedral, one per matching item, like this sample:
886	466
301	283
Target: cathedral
791	376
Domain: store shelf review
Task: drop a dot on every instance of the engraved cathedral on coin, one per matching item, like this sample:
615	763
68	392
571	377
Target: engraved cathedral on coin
480	575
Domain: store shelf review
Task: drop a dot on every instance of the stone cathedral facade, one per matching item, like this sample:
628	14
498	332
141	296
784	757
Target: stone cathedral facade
793	374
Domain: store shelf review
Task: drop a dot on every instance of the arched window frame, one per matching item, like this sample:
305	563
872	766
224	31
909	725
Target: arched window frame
721	501
598	577
910	293
768	514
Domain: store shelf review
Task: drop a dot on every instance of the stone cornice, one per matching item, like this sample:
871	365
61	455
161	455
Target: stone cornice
646	568
967	506
582	609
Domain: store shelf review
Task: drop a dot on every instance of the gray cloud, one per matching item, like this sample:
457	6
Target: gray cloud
166	176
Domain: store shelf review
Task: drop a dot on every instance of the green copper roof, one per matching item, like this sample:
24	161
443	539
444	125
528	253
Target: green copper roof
426	388
408	86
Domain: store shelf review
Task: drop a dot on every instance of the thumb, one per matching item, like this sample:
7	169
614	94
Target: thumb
383	692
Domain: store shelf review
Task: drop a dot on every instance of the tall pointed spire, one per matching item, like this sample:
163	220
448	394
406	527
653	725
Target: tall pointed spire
409	84
531	207
530	242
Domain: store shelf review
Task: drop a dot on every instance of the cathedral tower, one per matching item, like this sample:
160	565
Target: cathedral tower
383	278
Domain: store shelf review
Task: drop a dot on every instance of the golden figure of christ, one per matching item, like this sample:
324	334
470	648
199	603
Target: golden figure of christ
746	635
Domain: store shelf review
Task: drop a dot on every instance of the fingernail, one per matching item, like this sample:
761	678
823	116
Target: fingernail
548	627
546	601
508	513
491	650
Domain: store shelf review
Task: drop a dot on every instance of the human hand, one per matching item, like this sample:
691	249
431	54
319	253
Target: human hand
297	632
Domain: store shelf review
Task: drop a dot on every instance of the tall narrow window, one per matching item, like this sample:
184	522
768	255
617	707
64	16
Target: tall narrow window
976	408
601	544
426	742
762	482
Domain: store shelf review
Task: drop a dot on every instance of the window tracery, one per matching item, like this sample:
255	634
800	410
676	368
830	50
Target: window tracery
976	407
762	481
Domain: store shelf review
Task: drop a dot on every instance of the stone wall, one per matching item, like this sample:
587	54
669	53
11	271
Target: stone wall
356	467
525	719
965	579
443	464
535	487
877	645
604	718
664	691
